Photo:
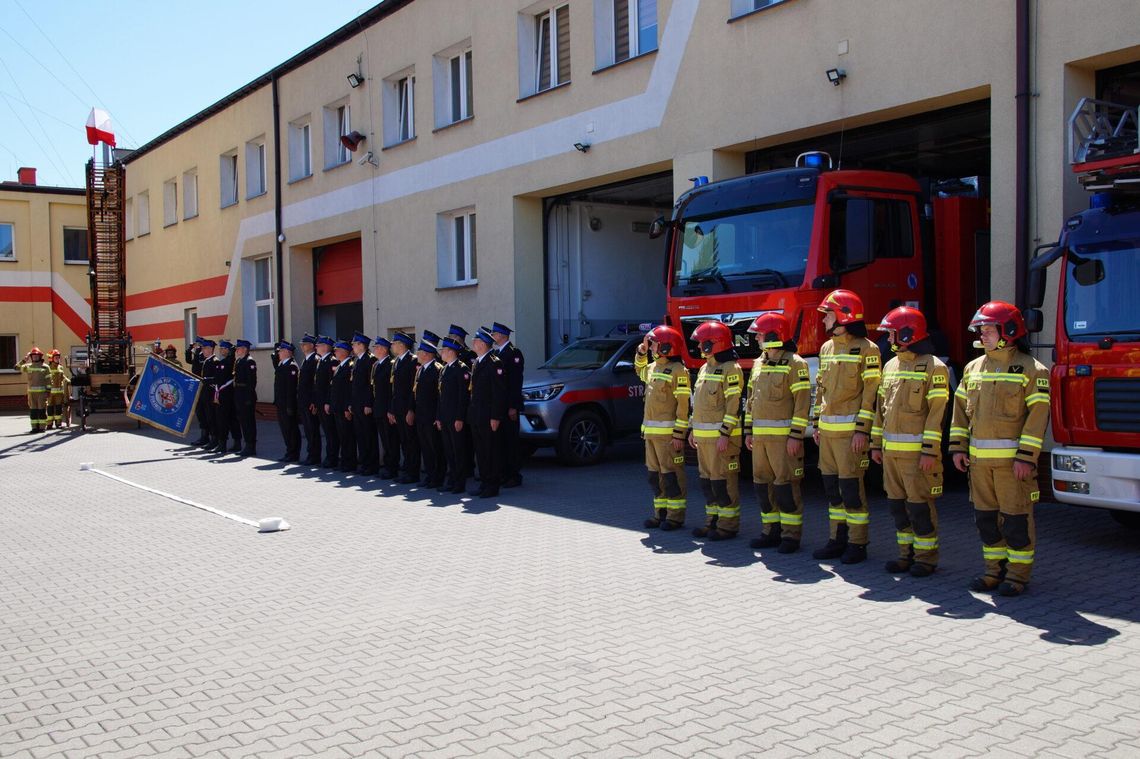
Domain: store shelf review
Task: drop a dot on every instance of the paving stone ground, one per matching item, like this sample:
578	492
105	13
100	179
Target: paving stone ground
391	622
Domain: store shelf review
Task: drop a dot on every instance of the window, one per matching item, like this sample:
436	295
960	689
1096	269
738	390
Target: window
190	194
865	229
9	353
143	214
338	122
75	245
456	248
399	94
190	324
7	242
552	48
229	178
741	7
624	29
169	202
454	92
255	177
129	219
300	150
406	91
261	272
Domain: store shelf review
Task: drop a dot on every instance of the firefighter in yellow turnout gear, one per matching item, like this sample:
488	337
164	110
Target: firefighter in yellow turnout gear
1001	410
35	371
58	383
907	439
715	430
775	417
665	423
846	390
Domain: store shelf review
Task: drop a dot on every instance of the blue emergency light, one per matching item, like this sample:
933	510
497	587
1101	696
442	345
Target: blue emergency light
1100	200
813	159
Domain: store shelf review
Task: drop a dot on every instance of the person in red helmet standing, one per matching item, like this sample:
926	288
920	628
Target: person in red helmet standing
775	416
906	439
665	423
1001	409
59	382
846	390
715	430
37	375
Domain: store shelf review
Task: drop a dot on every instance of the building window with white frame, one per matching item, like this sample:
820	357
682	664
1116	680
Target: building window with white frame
399	103
75	245
142	210
129	219
456	248
255	175
338	122
190	325
9	353
742	7
623	29
190	194
7	242
300	150
263	300
460	86
229	178
169	202
551	49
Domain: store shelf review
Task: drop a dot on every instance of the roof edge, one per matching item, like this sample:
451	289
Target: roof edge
42	189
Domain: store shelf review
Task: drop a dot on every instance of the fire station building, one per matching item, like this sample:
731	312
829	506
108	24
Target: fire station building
503	159
43	275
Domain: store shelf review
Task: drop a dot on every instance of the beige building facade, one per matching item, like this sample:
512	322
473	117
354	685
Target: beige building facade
510	155
43	275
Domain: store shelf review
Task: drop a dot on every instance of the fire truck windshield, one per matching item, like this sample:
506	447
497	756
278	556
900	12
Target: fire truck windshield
762	248
1100	280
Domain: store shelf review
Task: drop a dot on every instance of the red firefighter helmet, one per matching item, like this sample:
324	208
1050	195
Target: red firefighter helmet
773	330
35	351
170	348
1005	316
54	353
908	324
669	340
846	305
716	334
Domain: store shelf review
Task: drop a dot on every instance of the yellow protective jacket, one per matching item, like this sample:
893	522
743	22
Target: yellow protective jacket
666	396
716	400
779	396
1001	408
58	379
913	396
36	375
847	386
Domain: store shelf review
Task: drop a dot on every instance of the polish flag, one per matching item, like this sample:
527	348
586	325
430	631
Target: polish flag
99	128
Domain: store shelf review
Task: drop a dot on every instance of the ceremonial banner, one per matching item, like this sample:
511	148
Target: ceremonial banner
165	396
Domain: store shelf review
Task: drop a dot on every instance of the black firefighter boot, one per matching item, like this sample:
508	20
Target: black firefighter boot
900	565
770	539
835	546
656	521
854	553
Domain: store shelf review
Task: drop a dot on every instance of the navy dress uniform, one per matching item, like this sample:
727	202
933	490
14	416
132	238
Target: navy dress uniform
245	397
363	426
425	410
451	416
485	415
513	365
226	423
387	433
204	409
340	403
403	379
467	356
306	399
285	379
322	397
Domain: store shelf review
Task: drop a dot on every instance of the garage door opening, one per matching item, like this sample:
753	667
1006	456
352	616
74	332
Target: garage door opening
339	288
602	270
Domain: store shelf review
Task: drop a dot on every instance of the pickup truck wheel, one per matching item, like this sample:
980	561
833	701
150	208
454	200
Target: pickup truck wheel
1130	519
582	438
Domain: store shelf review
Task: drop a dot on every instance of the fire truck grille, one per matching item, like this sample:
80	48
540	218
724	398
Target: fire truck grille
1117	405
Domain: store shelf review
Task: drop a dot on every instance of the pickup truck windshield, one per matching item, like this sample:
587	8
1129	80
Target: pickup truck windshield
762	248
1100	282
584	354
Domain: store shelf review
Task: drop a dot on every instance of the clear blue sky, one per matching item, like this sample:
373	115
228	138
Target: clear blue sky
150	64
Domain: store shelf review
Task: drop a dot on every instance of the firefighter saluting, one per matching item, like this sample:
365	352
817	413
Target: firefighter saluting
665	423
776	415
715	430
844	410
1001	409
907	439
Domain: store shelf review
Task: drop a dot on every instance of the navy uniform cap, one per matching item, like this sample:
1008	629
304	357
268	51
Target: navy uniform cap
500	328
458	331
206	342
405	338
343	345
308	338
199	339
325	340
383	341
359	338
243	343
285	345
485	336
430	337
428	347
224	343
455	345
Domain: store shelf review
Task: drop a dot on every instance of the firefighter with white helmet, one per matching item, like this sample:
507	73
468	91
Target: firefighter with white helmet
1001	409
906	438
776	411
715	430
846	390
665	423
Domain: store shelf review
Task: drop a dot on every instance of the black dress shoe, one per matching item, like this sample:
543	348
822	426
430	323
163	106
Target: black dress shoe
458	489
492	493
330	464
388	474
312	461
350	469
476	493
247	452
235	448
407	480
513	482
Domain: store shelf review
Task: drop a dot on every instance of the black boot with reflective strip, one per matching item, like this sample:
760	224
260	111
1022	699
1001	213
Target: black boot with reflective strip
770	539
656	521
835	547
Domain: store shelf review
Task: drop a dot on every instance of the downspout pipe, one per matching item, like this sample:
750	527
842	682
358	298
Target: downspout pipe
278	233
1021	210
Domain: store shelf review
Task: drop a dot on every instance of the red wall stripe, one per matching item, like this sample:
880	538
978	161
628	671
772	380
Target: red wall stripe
208	326
188	291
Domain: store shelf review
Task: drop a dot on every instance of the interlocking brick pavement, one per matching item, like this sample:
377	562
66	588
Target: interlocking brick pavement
391	622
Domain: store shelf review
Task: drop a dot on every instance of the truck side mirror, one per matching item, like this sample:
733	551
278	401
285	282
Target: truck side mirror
657	228
1035	287
1033	319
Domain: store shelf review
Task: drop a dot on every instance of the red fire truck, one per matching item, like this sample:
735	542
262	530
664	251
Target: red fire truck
1096	362
781	240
